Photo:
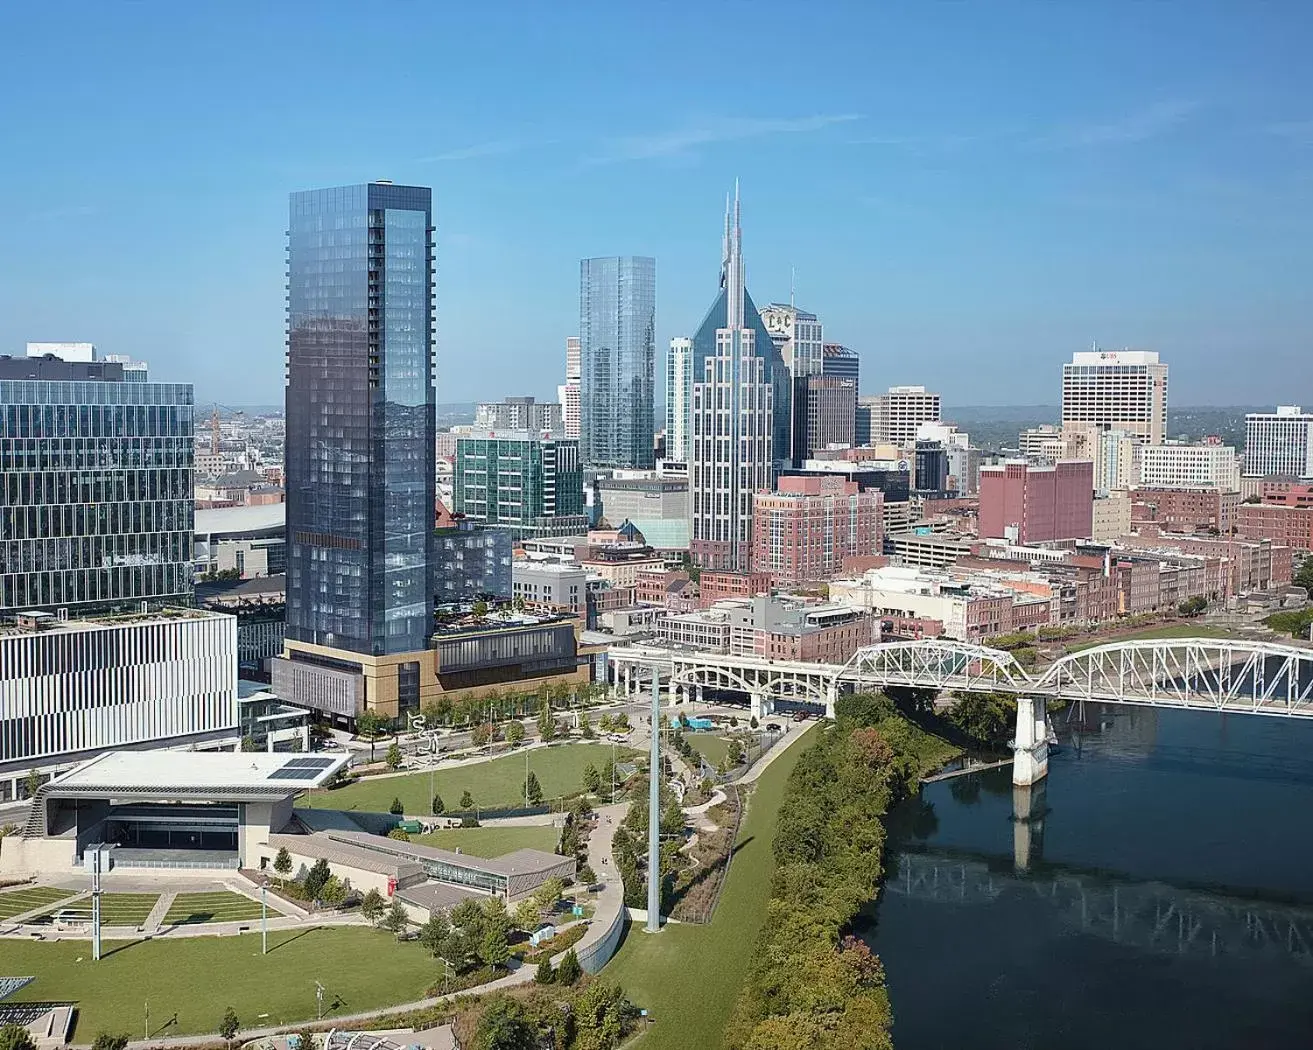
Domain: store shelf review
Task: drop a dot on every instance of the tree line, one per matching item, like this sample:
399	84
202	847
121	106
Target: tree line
812	985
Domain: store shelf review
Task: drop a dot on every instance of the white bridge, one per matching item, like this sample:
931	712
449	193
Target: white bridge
1242	677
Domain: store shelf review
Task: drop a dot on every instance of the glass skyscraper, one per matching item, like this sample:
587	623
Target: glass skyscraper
617	336
96	506
360	418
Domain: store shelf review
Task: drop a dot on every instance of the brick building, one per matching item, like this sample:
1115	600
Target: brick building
1185	509
1037	504
803	532
717	586
1287	524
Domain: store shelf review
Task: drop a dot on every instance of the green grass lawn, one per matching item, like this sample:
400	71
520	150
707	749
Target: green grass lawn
1171	630
711	747
220	906
198	977
116	909
16	902
499	782
492	841
688	977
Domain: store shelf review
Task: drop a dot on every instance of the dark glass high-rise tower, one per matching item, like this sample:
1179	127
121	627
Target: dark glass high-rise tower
617	338
360	419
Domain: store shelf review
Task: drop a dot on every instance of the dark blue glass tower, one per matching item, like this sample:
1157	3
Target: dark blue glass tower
360	418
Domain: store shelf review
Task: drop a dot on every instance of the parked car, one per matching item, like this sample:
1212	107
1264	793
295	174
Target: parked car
774	727
800	716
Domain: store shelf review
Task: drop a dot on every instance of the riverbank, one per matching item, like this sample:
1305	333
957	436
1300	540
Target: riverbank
687	976
810	983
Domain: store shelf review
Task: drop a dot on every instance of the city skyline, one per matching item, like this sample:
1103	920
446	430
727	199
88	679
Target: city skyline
947	213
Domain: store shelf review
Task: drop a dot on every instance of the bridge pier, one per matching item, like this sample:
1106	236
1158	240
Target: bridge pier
762	705
1030	760
831	699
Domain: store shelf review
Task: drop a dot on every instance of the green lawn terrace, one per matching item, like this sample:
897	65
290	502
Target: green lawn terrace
496	783
190	981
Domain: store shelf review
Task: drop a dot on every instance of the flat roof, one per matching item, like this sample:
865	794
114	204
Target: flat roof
260	517
193	774
519	862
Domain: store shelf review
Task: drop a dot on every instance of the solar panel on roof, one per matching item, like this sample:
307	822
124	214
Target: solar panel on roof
10	985
288	774
308	763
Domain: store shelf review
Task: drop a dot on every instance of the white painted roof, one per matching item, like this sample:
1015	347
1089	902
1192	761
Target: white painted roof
183	771
256	518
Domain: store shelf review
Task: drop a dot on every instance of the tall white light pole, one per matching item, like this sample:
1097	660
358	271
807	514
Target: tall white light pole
654	812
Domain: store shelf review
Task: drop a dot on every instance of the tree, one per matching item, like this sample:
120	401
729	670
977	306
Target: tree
370	725
434	933
393	758
586	875
533	792
481	734
528	914
1304	577
735	753
438	805
305	1039
373	906
396	918
283	863
396	809
468	916
32	782
753	723
228	1024
316	878
16	1037
494	950
515	733
592	779
544	974
604	723
466	800
549	893
334	892
546	723
503	1026
585	726
600	1014
569	971
109	1041
248	743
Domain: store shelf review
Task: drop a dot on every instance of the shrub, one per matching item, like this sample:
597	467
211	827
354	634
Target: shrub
396	809
569	971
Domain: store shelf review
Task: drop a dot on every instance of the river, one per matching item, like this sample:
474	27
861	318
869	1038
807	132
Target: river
1155	891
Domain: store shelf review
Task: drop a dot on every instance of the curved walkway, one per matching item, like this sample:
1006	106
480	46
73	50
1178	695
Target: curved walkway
610	903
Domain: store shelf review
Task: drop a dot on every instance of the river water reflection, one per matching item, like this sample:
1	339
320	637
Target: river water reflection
1155	891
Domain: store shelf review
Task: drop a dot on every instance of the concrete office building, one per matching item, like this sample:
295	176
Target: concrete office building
1028	504
95	484
550	586
531	486
1117	390
617	342
824	410
520	413
569	393
625	498
679	398
735	428
797	336
71	689
896	415
1178	466
1279	443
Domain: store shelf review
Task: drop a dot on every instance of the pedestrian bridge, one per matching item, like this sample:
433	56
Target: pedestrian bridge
1208	674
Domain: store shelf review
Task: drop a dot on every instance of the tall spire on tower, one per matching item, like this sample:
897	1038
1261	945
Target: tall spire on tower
734	266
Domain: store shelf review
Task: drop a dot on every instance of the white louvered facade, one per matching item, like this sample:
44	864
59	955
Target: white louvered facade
91	685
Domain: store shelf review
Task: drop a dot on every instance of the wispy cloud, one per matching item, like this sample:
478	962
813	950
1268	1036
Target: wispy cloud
1141	126
70	211
947	143
1299	132
685	141
495	148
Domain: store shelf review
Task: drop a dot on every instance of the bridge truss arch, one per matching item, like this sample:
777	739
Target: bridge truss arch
937	664
1265	678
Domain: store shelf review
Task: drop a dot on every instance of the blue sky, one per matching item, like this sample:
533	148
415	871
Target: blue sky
967	191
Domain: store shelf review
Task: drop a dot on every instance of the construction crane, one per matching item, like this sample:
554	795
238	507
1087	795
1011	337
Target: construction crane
214	430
